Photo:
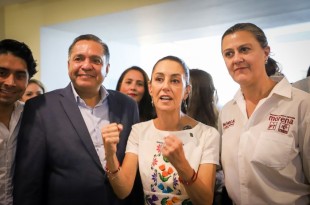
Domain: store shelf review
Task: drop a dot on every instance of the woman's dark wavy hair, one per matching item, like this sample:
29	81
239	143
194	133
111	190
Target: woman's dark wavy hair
271	65
146	110
21	50
202	101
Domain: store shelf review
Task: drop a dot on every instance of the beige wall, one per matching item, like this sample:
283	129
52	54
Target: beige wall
23	21
1	23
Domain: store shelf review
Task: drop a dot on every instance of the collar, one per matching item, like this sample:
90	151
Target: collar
282	88
103	93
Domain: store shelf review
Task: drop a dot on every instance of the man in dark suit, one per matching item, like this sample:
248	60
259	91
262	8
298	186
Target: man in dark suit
60	157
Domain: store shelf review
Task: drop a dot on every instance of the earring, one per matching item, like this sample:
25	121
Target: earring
185	105
266	61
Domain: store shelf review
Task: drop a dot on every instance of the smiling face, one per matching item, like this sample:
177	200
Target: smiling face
168	86
85	65
32	90
244	57
133	85
13	79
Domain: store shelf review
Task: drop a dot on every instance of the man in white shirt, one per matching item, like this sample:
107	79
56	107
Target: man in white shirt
303	84
16	67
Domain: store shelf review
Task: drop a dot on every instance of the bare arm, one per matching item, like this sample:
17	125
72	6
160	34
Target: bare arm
200	189
121	177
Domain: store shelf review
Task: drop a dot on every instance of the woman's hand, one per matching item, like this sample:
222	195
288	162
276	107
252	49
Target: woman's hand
110	136
173	150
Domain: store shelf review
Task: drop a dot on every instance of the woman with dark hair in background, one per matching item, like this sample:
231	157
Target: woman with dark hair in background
265	127
201	103
134	83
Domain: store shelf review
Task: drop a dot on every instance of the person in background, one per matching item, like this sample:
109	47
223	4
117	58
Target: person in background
17	65
303	84
60	156
134	83
265	127
201	105
176	155
34	88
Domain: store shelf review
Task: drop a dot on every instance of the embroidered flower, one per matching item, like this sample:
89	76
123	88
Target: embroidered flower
175	180
154	161
150	199
158	148
154	177
167	201
163	179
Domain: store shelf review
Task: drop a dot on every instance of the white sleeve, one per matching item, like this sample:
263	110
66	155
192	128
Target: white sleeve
133	141
305	155
211	147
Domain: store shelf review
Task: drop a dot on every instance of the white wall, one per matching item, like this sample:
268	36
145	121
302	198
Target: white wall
203	53
54	56
289	46
54	46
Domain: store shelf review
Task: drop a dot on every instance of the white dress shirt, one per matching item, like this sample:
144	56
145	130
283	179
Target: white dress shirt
8	140
266	157
303	84
95	118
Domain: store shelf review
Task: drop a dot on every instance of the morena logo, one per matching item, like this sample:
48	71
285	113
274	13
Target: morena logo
228	124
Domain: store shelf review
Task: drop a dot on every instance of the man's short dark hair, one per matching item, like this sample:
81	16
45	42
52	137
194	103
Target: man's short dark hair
91	37
21	50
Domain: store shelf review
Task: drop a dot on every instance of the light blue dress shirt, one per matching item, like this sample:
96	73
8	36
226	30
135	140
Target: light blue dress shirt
95	118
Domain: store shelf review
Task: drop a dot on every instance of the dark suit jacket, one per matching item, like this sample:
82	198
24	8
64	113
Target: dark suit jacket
56	162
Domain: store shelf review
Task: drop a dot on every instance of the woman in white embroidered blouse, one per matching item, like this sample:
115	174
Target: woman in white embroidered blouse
176	155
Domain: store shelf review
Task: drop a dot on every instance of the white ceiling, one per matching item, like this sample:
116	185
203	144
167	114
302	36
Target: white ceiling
186	19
